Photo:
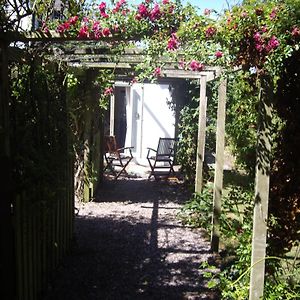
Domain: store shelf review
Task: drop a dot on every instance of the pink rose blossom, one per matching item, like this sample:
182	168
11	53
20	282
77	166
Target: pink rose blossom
210	31
244	14
272	44
155	13
259	47
207	11
157	72
143	10
218	54
83	32
104	15
257	36
171	9
106	31
173	42
102	7
138	17
73	20
295	31
273	13
181	64
196	66
45	28
119	5
108	91
165	2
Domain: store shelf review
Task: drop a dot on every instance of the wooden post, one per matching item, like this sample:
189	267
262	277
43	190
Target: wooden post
219	166
201	135
262	181
112	115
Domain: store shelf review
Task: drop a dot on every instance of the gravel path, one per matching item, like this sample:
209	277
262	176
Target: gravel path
130	245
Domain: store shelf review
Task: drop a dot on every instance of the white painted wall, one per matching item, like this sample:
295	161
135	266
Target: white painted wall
148	118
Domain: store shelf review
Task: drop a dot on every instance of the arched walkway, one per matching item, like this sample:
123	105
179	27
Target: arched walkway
130	245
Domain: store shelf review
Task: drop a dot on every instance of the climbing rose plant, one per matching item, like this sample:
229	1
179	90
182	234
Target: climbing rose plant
257	35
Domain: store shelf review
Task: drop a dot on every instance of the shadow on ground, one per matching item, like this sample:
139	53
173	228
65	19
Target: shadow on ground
127	254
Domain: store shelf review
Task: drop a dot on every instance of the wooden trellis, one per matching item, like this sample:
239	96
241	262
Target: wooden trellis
262	176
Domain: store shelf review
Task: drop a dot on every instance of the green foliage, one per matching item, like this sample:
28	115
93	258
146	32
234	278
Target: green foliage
282	279
198	211
241	119
188	130
39	130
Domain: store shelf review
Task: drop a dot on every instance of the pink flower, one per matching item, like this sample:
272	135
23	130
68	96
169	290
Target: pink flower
207	11
173	42
102	7
116	28
73	20
45	28
106	31
264	29
155	13
210	31
119	5
96	26
181	64
218	54
273	43
165	2
257	36
143	10
157	72
171	9
295	31
196	66
83	32
104	15
61	28
273	13
259	47
138	17
244	14
108	91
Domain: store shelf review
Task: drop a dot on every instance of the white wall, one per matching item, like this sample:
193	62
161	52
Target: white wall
148	118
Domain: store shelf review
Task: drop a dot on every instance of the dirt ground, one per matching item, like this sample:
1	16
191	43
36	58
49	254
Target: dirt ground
130	244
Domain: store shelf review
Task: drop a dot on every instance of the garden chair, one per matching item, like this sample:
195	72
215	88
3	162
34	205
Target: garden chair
116	159
161	160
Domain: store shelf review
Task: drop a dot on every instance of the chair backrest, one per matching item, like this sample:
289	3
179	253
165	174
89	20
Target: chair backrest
110	144
166	146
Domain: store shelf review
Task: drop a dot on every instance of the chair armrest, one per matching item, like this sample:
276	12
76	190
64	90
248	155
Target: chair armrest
149	150
125	148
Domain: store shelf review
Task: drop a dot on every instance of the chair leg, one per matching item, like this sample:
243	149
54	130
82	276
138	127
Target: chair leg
123	170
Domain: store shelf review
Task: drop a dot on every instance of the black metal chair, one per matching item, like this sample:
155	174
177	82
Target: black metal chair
116	159
161	160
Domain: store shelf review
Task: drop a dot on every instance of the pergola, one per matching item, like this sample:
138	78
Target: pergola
90	57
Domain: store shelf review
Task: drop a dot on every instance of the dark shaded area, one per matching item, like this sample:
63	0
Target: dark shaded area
285	175
118	257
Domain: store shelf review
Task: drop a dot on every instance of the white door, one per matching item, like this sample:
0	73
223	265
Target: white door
149	118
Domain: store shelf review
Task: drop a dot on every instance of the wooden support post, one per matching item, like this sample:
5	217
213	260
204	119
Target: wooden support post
201	135
262	182
219	166
112	115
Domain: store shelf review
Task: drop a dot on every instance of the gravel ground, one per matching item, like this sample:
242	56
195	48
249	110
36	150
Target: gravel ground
129	244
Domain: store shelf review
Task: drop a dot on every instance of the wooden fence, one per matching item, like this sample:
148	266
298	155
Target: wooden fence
37	207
